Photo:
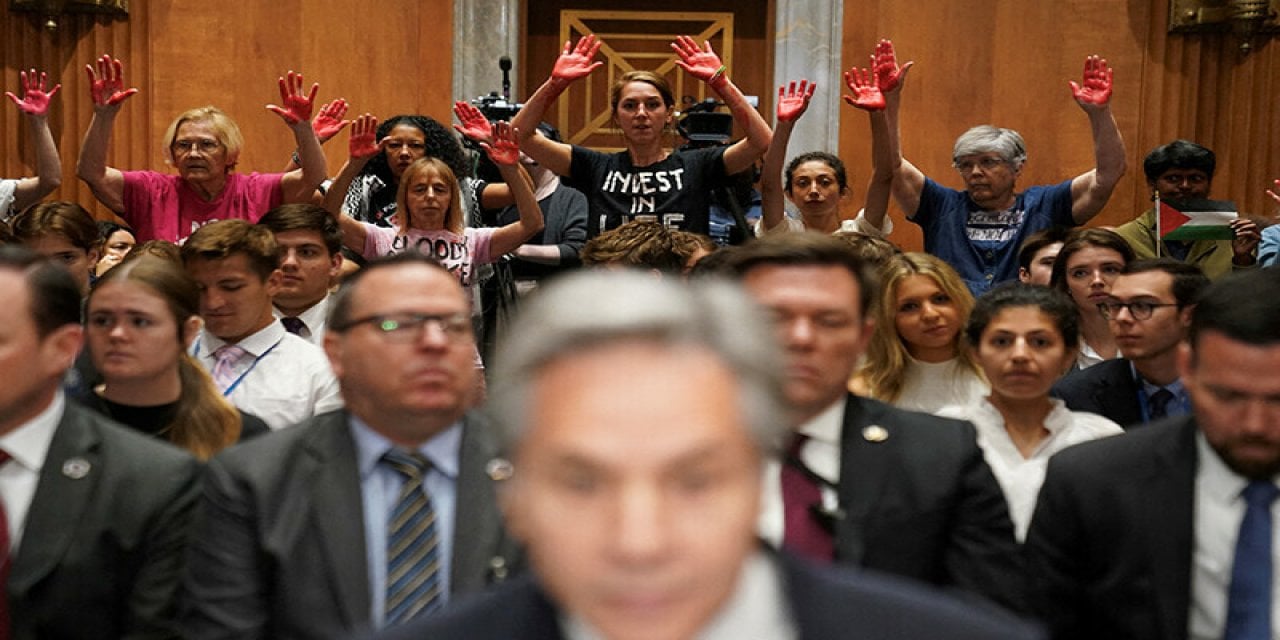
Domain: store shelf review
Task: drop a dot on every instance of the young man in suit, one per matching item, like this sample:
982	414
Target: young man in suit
93	516
1149	313
638	509
1166	531
310	259
305	533
892	490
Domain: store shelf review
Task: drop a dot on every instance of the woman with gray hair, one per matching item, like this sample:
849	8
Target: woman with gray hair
978	230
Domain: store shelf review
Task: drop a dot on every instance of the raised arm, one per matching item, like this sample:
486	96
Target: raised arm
327	124
575	61
908	181
35	105
295	109
1091	190
361	147
866	95
505	153
106	90
793	100
705	65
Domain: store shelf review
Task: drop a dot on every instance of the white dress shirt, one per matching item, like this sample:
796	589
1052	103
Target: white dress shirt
930	386
820	454
282	378
313	321
1020	477
28	445
1219	508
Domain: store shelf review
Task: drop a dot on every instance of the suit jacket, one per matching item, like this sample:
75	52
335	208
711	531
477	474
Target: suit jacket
1107	389
1109	549
825	604
918	500
278	546
102	548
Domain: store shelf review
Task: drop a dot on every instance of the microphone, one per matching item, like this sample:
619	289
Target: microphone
504	63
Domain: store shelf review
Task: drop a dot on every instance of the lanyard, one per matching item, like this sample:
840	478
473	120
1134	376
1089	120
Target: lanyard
235	383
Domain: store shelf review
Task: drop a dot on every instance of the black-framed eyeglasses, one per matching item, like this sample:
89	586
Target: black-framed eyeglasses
403	327
1139	309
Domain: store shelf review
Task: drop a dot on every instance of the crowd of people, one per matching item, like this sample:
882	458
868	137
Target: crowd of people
277	405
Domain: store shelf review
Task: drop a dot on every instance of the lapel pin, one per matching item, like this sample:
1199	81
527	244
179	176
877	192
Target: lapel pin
76	468
875	433
499	469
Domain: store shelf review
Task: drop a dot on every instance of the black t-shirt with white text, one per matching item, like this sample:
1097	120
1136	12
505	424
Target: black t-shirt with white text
675	192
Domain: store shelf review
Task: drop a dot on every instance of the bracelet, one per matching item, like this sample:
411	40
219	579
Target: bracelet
717	75
296	159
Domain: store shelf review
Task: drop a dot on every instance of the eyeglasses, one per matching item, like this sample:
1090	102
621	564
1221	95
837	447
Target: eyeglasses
986	164
1139	309
405	327
184	147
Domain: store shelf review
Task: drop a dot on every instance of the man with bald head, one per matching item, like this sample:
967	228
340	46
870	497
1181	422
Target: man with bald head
386	508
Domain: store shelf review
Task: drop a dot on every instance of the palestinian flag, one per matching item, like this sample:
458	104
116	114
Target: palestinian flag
1195	219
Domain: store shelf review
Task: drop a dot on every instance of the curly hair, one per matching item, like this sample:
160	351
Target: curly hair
439	139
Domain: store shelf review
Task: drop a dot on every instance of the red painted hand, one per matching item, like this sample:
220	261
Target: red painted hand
361	143
474	125
35	101
328	123
793	100
297	106
576	61
888	75
701	63
866	93
106	86
505	149
1095	89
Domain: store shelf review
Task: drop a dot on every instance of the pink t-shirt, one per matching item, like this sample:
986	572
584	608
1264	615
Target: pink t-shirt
161	206
458	253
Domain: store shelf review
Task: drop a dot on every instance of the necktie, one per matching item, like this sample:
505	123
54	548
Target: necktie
803	531
1249	597
1158	403
225	359
413	544
293	325
4	564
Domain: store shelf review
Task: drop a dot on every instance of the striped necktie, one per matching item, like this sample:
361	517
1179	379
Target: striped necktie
413	544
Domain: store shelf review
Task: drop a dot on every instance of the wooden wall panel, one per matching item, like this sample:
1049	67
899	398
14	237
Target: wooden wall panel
383	56
1009	63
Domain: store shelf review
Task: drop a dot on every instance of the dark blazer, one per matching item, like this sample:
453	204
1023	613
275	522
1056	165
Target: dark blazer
919	500
1107	389
278	546
825	603
1109	549
102	548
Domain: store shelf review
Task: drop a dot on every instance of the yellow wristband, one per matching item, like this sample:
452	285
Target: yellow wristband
719	72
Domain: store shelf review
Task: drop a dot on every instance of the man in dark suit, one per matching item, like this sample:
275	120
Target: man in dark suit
93	517
1146	535
638	509
299	535
1149	312
898	491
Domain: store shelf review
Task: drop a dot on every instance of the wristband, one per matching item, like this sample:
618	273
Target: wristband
296	159
717	75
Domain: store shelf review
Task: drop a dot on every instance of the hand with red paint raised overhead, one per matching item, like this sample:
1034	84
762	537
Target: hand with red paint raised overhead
793	100
297	106
474	125
701	63
889	76
106	85
328	122
505	149
35	101
362	145
866	92
1094	92
576	61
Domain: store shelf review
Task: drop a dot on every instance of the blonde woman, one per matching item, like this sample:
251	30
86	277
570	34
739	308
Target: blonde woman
917	358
